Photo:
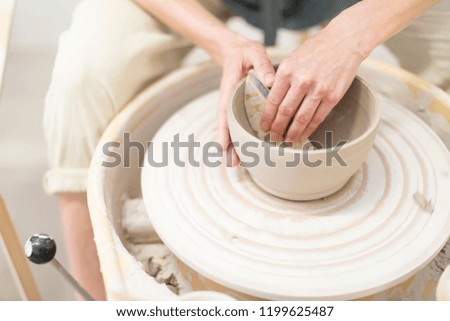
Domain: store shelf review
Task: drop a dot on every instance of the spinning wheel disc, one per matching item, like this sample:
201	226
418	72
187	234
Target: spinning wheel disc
369	236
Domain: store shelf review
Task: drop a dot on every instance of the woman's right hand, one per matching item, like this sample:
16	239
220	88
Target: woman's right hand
237	58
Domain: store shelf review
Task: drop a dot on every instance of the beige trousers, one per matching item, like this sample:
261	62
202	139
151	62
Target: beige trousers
112	50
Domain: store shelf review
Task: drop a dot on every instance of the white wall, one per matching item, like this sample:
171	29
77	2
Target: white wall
39	22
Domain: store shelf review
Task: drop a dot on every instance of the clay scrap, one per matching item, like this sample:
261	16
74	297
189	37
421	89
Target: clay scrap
136	224
147	248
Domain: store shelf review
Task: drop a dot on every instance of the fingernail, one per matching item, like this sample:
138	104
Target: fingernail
274	137
265	126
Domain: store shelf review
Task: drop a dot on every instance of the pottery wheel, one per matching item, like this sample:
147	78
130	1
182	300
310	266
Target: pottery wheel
386	223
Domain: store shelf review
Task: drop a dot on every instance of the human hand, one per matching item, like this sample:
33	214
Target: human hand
236	60
309	83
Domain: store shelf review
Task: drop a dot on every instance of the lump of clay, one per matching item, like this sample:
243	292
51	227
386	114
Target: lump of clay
254	103
136	222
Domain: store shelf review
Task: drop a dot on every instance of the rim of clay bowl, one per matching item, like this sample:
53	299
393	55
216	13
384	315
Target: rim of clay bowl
373	127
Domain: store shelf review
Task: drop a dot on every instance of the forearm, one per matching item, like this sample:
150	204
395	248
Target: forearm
191	20
371	22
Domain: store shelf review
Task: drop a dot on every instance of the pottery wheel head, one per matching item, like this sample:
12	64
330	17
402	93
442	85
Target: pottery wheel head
369	236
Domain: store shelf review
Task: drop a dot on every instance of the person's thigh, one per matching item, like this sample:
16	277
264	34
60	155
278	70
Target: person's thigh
112	50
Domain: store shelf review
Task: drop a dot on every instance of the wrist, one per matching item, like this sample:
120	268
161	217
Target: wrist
352	28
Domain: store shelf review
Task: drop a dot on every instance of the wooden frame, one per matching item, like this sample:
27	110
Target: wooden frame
16	256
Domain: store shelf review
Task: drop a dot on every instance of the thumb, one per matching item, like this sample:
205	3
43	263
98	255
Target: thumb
264	69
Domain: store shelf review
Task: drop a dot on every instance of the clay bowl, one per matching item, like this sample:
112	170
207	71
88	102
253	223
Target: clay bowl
308	174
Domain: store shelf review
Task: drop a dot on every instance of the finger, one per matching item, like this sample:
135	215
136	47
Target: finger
229	80
319	116
303	117
286	112
224	137
274	99
231	157
235	161
222	128
328	102
264	69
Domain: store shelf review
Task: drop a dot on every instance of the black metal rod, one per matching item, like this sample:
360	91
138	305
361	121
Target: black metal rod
71	280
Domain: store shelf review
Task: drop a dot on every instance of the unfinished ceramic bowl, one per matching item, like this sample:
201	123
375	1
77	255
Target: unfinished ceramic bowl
339	147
